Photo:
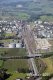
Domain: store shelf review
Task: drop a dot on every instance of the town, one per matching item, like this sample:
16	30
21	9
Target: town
11	33
26	40
34	36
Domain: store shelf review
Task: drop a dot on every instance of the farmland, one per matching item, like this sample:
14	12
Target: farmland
45	66
12	52
49	66
13	65
1	63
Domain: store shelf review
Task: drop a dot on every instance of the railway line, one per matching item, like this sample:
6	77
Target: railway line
30	46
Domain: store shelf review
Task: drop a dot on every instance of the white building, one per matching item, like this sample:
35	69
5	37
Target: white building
18	45
9	31
0	30
12	45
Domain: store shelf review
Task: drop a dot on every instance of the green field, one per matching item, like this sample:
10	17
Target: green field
45	66
9	34
49	66
13	65
23	16
1	63
40	65
7	40
16	75
12	51
46	18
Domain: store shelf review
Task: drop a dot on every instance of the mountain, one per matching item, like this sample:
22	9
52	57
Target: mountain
10	1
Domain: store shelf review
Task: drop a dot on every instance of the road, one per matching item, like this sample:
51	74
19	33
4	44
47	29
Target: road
30	45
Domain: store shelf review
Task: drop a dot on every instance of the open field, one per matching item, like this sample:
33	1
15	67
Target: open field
1	63
13	65
12	51
9	34
2	50
49	66
46	18
7	40
40	65
45	66
16	75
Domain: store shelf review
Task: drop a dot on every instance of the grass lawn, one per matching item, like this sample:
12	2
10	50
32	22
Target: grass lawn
7	40
45	65
16	75
13	51
46	18
1	63
16	52
13	65
2	50
49	65
9	34
40	65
